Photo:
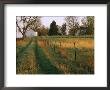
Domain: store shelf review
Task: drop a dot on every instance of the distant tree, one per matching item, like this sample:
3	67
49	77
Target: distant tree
43	31
90	25
63	29
25	23
53	29
72	23
59	30
35	26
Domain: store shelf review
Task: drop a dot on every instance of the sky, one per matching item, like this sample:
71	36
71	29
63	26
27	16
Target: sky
47	20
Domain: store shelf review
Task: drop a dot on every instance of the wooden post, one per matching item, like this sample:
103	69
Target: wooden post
54	47
60	44
74	51
47	42
44	42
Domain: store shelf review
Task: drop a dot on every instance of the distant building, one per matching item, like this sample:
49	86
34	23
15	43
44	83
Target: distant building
82	30
31	33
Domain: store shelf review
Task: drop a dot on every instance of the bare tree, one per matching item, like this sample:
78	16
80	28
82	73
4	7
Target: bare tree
25	23
84	21
72	24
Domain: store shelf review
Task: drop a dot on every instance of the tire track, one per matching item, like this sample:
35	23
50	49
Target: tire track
23	49
26	62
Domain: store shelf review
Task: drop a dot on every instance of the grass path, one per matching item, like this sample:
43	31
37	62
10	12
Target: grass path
26	62
23	49
33	60
45	65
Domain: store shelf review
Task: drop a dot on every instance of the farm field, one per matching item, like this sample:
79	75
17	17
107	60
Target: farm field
55	55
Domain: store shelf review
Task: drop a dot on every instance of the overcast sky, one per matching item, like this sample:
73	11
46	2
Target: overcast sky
47	20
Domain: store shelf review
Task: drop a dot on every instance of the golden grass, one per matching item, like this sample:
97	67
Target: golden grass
41	44
69	43
19	42
79	43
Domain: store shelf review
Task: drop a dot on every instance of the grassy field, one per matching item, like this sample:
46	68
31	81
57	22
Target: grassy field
55	55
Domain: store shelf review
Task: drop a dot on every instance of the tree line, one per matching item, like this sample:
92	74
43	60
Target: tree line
71	26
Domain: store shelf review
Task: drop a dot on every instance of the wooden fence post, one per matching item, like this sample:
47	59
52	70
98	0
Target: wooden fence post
60	44
75	51
54	47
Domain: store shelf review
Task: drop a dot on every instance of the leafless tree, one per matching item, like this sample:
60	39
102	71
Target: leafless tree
84	21
72	24
25	23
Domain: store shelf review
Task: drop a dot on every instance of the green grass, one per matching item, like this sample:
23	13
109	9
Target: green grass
22	45
79	66
45	65
45	55
26	62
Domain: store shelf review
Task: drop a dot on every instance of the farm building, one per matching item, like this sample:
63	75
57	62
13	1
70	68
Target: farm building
31	33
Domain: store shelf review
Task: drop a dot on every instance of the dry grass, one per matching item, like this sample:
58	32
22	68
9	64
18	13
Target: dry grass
57	54
79	43
60	49
26	63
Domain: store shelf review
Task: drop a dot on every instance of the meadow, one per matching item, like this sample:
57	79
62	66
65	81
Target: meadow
55	55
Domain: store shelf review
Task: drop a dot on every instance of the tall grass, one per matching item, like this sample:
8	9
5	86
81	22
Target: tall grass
26	62
21	45
45	65
64	57
56	55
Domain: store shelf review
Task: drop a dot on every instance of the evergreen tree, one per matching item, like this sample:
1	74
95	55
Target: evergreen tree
63	29
53	29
